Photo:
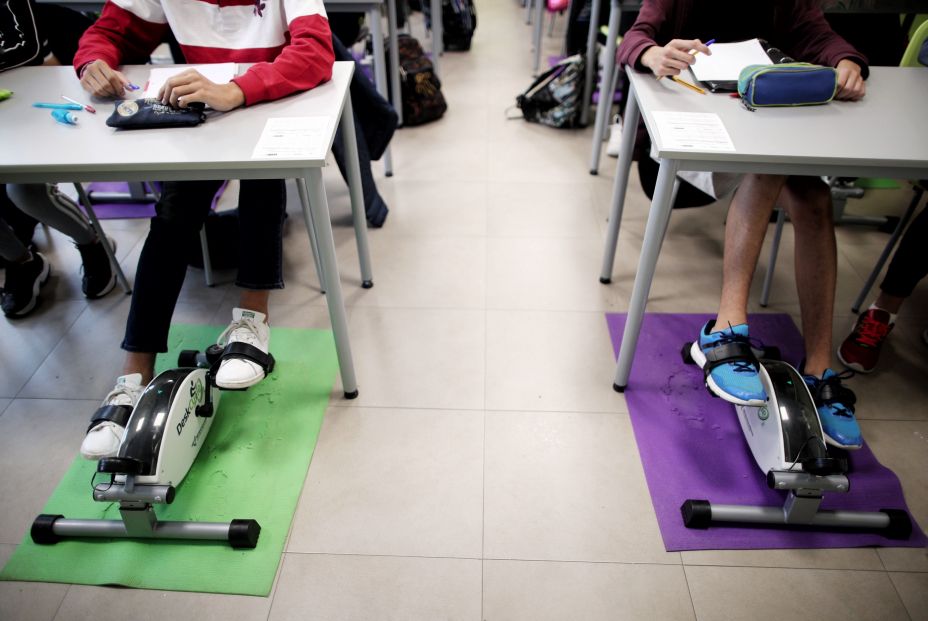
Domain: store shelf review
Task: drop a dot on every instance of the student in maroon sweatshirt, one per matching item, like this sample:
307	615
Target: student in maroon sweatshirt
660	42
291	45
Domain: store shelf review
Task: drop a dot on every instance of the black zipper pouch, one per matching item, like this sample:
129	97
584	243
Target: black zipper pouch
151	113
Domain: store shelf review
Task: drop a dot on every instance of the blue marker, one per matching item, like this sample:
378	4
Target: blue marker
57	106
133	87
64	117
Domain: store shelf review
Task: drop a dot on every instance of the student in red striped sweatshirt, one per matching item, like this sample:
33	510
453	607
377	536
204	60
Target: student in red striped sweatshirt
291	43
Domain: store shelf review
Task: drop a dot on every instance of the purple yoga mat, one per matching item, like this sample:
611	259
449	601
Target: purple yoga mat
126	211
691	445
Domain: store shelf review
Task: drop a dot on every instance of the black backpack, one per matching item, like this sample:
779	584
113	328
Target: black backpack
554	97
458	22
419	86
19	37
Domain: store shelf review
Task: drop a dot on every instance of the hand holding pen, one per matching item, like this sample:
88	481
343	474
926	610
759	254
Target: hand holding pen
101	80
672	58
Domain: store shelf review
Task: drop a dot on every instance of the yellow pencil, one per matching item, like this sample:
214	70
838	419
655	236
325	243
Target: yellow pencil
688	85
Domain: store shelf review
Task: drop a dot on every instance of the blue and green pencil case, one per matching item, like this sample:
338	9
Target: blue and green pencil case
788	84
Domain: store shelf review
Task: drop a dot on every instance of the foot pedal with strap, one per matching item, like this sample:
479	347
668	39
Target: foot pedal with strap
739	353
244	351
118	414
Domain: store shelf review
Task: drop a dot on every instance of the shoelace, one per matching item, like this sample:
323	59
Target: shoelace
831	392
241	330
739	366
870	332
120	390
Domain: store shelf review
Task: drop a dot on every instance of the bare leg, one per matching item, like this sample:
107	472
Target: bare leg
745	229
808	202
140	362
891	303
256	300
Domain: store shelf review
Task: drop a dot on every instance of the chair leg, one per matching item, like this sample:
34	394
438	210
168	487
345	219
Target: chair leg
311	229
207	264
101	235
551	25
890	245
772	263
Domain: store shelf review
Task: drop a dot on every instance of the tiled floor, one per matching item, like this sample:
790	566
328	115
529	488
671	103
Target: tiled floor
488	470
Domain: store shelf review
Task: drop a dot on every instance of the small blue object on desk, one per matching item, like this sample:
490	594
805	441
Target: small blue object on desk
57	106
64	117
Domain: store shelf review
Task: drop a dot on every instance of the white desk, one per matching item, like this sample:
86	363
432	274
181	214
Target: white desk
37	149
883	135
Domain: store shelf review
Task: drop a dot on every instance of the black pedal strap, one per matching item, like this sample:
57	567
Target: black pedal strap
118	414
830	392
733	351
248	352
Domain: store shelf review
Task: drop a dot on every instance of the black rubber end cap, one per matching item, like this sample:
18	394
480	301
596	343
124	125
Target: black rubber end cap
594	172
618	388
43	529
169	497
389	174
605	281
120	465
900	524
351	395
187	358
367	284
686	353
696	513
243	534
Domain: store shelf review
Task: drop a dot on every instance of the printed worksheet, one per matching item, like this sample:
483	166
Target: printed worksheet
727	61
293	138
696	131
220	73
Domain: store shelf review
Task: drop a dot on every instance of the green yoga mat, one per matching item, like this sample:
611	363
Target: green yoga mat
252	466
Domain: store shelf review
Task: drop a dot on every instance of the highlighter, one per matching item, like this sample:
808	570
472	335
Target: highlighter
64	117
5	94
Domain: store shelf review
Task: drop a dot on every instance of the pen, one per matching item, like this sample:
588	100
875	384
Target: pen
688	85
694	52
133	87
5	94
86	107
57	106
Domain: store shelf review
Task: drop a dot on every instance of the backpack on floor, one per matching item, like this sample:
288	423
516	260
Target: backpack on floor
458	22
554	97
420	88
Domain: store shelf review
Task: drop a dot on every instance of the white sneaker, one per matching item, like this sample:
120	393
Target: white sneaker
103	439
247	327
615	138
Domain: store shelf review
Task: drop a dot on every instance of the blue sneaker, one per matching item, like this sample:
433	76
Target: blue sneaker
835	405
731	367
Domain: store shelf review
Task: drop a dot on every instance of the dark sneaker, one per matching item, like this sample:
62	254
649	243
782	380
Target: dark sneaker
99	277
23	281
861	349
835	405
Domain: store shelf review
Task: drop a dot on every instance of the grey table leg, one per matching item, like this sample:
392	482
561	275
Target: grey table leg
311	230
606	86
380	73
654	232
207	263
395	59
438	33
538	33
319	207
528	11
88	207
629	129
591	63
357	193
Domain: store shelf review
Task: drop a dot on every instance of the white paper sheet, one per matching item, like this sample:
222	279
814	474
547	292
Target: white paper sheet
220	73
297	137
692	131
727	60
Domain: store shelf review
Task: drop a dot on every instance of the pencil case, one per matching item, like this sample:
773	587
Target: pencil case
151	113
788	84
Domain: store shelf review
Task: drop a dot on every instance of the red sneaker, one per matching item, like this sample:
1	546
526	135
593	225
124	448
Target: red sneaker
861	349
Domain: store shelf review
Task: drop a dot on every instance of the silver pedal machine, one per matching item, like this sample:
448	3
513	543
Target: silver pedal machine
785	436
163	436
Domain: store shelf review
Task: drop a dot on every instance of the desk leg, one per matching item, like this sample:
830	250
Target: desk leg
395	60
606	87
319	208
311	230
538	33
591	63
438	34
629	130
88	207
380	73
654	233
350	143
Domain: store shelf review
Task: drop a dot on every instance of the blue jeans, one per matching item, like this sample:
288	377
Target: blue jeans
180	214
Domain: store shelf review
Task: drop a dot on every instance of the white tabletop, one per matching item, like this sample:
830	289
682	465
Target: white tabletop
885	132
36	148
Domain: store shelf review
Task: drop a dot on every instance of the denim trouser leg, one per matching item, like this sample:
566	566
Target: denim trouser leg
910	263
180	215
